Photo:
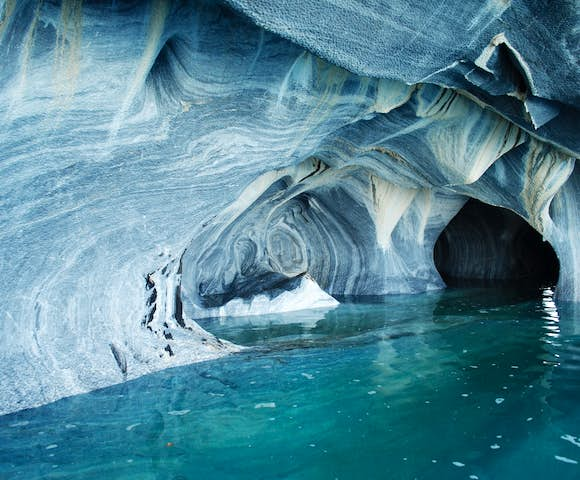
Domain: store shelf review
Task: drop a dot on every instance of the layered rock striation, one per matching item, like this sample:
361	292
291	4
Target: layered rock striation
166	161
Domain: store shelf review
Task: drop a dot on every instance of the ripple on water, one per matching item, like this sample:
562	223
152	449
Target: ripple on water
352	404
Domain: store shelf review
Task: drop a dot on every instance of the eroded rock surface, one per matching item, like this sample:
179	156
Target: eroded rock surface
163	161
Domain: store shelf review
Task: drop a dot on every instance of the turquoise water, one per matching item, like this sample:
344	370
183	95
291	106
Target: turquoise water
460	384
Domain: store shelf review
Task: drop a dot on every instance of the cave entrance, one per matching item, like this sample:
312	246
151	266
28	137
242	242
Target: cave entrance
486	245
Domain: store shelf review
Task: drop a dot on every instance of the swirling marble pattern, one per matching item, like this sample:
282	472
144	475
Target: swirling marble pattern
161	159
352	231
496	50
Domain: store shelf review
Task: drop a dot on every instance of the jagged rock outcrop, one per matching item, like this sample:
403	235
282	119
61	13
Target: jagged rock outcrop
161	160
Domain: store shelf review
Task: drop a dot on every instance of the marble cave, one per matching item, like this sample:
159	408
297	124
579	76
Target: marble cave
318	190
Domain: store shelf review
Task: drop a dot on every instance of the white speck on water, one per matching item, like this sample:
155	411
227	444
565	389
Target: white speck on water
529	419
216	394
130	460
19	424
572	439
51	454
511	375
566	460
265	405
51	446
307	375
405	459
464	351
371	392
132	426
433	461
70	425
473	366
356	380
495	446
312	445
465	394
473	477
504	388
459	464
499	400
498	436
253	382
178	413
427	401
514	366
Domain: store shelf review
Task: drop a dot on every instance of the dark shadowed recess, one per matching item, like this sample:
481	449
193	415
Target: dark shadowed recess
487	245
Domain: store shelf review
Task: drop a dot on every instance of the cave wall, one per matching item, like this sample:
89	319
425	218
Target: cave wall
150	147
496	50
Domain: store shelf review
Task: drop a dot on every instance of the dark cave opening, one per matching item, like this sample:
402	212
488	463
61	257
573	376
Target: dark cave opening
487	245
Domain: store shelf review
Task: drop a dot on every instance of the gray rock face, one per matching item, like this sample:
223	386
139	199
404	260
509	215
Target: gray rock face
163	161
497	50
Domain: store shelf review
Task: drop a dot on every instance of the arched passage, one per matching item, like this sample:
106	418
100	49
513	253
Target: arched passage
491	244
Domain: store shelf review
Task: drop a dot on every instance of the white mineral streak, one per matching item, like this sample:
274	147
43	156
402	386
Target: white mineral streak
390	203
158	15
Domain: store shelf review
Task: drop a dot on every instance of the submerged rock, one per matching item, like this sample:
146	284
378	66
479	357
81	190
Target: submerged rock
226	152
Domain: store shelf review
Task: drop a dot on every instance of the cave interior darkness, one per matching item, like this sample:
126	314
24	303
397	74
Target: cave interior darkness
485	245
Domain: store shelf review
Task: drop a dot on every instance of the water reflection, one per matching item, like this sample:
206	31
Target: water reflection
383	317
447	385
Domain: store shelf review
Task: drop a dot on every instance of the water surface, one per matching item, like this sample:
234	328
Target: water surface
460	384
